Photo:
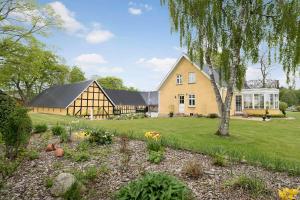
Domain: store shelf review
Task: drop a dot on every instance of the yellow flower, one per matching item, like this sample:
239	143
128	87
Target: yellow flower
152	135
288	194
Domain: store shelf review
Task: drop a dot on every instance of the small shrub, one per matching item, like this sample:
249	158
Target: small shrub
32	154
40	128
17	131
193	169
282	107
100	136
154	142
81	156
48	182
89	174
155	156
219	160
83	146
212	115
58	130
298	108
8	167
171	114
64	137
124	143
74	193
253	185
155	186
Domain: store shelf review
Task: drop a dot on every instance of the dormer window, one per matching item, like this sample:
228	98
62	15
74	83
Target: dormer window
192	77
179	79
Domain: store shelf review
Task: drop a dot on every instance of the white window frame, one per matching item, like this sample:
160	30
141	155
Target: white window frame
192	100
179	79
192	77
247	101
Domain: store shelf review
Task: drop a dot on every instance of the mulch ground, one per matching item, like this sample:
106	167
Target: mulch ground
28	182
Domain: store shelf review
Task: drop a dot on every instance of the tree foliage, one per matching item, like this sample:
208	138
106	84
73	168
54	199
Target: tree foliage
76	75
29	69
115	83
290	96
20	19
237	29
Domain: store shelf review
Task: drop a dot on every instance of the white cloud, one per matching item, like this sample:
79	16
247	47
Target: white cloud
253	72
68	17
89	60
158	64
135	11
147	7
180	49
98	36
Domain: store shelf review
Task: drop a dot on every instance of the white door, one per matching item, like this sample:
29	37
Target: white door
181	104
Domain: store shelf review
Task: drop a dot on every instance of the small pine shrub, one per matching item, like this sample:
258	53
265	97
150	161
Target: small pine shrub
40	128
193	169
58	130
212	115
155	186
155	156
253	185
100	136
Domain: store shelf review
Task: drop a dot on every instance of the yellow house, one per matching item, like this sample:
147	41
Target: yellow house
187	90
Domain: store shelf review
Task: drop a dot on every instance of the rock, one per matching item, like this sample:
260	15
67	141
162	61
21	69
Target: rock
62	183
54	140
59	152
50	147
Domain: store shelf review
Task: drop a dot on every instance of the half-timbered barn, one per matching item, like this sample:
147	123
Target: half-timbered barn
88	99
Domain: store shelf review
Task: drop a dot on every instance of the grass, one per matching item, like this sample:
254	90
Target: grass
253	185
274	144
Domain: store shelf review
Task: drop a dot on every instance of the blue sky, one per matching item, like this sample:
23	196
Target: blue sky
128	39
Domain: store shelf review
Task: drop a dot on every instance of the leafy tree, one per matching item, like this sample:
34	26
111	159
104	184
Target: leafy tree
289	96
20	19
29	69
236	29
282	107
115	83
76	75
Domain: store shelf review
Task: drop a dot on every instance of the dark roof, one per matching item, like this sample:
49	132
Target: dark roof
59	96
151	98
124	97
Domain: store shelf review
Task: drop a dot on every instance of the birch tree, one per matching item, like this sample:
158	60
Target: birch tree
237	29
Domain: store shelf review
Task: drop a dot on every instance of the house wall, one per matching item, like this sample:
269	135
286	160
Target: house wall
56	111
169	92
91	101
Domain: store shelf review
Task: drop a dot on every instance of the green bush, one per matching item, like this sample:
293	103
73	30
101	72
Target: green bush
32	154
100	136
58	130
17	131
7	106
40	128
212	115
298	108
282	107
64	137
154	145
156	156
155	186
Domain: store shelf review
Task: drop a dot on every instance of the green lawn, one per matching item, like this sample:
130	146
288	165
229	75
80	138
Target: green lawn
274	144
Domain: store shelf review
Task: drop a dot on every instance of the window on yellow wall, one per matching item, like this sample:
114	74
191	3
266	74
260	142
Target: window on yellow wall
192	77
179	79
192	100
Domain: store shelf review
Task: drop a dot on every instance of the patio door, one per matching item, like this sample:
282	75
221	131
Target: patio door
238	103
181	103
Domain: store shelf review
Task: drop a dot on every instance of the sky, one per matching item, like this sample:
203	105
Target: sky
130	39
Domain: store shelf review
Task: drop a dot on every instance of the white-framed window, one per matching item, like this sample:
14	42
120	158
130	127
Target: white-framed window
192	77
179	79
192	100
258	101
181	99
247	101
272	105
